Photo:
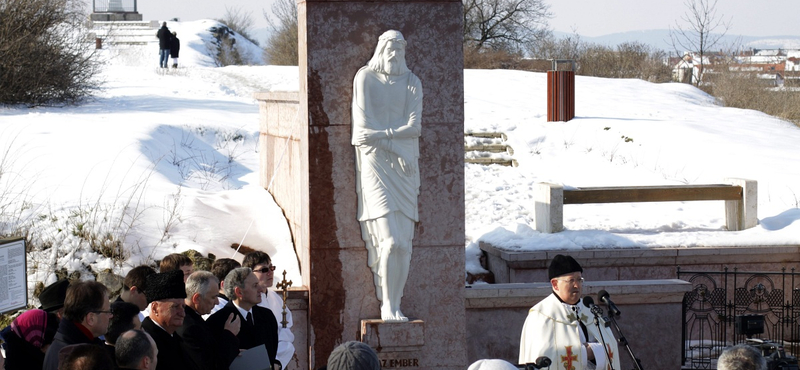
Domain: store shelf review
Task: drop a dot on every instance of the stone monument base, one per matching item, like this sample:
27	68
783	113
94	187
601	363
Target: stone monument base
398	343
115	17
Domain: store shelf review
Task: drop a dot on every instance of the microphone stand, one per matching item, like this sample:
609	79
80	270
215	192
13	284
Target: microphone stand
622	341
597	311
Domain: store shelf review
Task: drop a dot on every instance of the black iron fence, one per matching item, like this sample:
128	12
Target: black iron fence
710	311
114	6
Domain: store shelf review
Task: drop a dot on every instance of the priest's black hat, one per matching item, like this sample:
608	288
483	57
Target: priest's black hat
53	296
562	265
165	285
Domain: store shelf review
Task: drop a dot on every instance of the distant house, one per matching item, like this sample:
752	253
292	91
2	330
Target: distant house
774	67
683	70
688	68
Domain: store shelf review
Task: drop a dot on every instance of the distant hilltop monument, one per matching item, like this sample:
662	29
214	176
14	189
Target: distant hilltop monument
114	10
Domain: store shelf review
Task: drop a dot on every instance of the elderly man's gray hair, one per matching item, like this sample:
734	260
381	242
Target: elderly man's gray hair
236	279
741	357
201	282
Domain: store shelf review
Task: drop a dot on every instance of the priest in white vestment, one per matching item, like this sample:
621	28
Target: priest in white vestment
563	329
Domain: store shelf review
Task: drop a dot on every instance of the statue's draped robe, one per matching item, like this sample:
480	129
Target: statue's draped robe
552	330
387	171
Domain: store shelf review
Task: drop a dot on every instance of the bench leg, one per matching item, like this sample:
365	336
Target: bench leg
742	214
549	206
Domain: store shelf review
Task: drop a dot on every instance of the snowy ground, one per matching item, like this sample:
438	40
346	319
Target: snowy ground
165	161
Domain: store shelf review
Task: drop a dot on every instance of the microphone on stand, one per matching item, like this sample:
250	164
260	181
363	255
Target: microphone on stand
596	310
612	308
541	362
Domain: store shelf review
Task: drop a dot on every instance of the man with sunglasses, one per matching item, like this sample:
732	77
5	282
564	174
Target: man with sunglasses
87	313
563	329
263	268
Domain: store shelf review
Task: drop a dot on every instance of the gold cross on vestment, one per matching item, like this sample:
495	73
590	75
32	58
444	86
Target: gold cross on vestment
284	286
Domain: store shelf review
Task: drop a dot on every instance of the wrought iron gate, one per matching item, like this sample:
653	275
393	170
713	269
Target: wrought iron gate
710	309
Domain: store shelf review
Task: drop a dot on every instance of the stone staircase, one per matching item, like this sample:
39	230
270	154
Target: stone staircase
488	148
124	33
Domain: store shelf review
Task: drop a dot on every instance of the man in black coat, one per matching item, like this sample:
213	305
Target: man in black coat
258	324
164	39
165	292
87	312
203	349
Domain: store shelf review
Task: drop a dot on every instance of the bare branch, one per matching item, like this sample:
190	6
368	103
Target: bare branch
700	31
504	24
282	45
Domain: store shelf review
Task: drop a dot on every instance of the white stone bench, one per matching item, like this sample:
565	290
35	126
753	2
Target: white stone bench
740	196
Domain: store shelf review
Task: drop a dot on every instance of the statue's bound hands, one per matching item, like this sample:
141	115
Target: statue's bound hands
368	136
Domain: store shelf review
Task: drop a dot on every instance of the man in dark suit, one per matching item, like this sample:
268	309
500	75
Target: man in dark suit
258	324
86	316
165	292
203	349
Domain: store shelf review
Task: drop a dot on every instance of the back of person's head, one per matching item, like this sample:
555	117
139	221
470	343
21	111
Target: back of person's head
84	357
164	24
173	262
235	279
122	321
221	267
84	297
137	277
256	258
201	282
353	355
132	346
741	357
493	364
37	327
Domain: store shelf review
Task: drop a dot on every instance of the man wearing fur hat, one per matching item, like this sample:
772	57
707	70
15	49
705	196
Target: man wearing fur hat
166	292
563	329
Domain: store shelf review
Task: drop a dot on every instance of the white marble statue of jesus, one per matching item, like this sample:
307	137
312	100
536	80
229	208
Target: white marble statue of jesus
386	112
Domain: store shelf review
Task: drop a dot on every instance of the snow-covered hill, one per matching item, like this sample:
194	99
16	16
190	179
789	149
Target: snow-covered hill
165	160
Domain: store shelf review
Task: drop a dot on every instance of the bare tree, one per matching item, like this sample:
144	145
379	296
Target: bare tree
239	21
701	32
550	47
281	47
504	24
45	58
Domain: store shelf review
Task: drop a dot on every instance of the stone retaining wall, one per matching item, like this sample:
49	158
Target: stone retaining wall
638	264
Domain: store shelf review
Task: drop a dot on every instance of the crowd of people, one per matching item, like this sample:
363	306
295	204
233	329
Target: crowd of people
171	319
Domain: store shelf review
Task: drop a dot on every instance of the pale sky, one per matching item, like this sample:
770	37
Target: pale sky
602	17
588	17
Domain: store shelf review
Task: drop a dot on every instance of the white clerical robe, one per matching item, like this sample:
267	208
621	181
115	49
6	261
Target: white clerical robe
551	329
274	303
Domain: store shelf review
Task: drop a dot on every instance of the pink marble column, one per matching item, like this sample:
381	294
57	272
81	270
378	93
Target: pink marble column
336	39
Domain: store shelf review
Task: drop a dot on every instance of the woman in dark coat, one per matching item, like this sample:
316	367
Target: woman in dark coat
30	336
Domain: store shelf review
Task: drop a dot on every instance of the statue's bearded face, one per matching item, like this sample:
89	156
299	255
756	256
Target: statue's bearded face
392	56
